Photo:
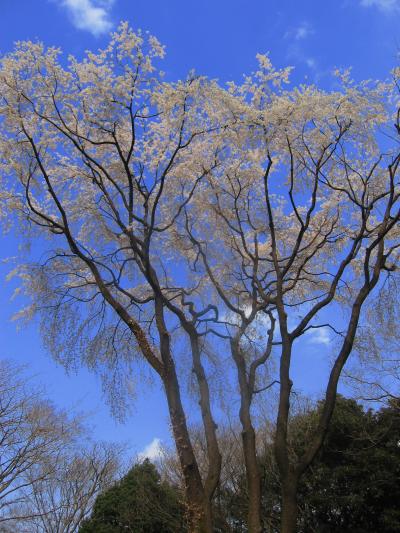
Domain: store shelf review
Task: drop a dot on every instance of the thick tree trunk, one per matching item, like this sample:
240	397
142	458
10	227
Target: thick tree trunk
253	480
209	425
288	475
198	510
199	514
289	510
214	458
253	476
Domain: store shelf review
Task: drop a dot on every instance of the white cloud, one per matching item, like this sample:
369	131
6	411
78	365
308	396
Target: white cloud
90	15
383	5
319	336
152	451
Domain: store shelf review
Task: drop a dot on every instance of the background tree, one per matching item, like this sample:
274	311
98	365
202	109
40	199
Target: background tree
352	485
50	474
140	502
32	433
61	502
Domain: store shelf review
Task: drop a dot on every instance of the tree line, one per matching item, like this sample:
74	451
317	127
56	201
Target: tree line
352	486
50	481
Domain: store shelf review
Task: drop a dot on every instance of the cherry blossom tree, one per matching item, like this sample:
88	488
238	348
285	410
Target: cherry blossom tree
101	157
302	217
229	221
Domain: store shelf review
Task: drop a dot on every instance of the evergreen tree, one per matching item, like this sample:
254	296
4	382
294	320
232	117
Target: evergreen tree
139	503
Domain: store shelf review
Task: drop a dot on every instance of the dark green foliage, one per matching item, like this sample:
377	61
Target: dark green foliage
139	503
353	486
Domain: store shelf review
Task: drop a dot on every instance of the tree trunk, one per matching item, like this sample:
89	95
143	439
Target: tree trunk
289	478
253	476
289	510
253	480
214	458
199	515
209	425
198	510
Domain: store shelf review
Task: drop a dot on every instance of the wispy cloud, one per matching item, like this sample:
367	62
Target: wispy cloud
295	52
319	336
297	46
152	451
90	15
310	62
300	32
387	6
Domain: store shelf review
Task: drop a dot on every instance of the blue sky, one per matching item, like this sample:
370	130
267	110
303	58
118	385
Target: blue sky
216	38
